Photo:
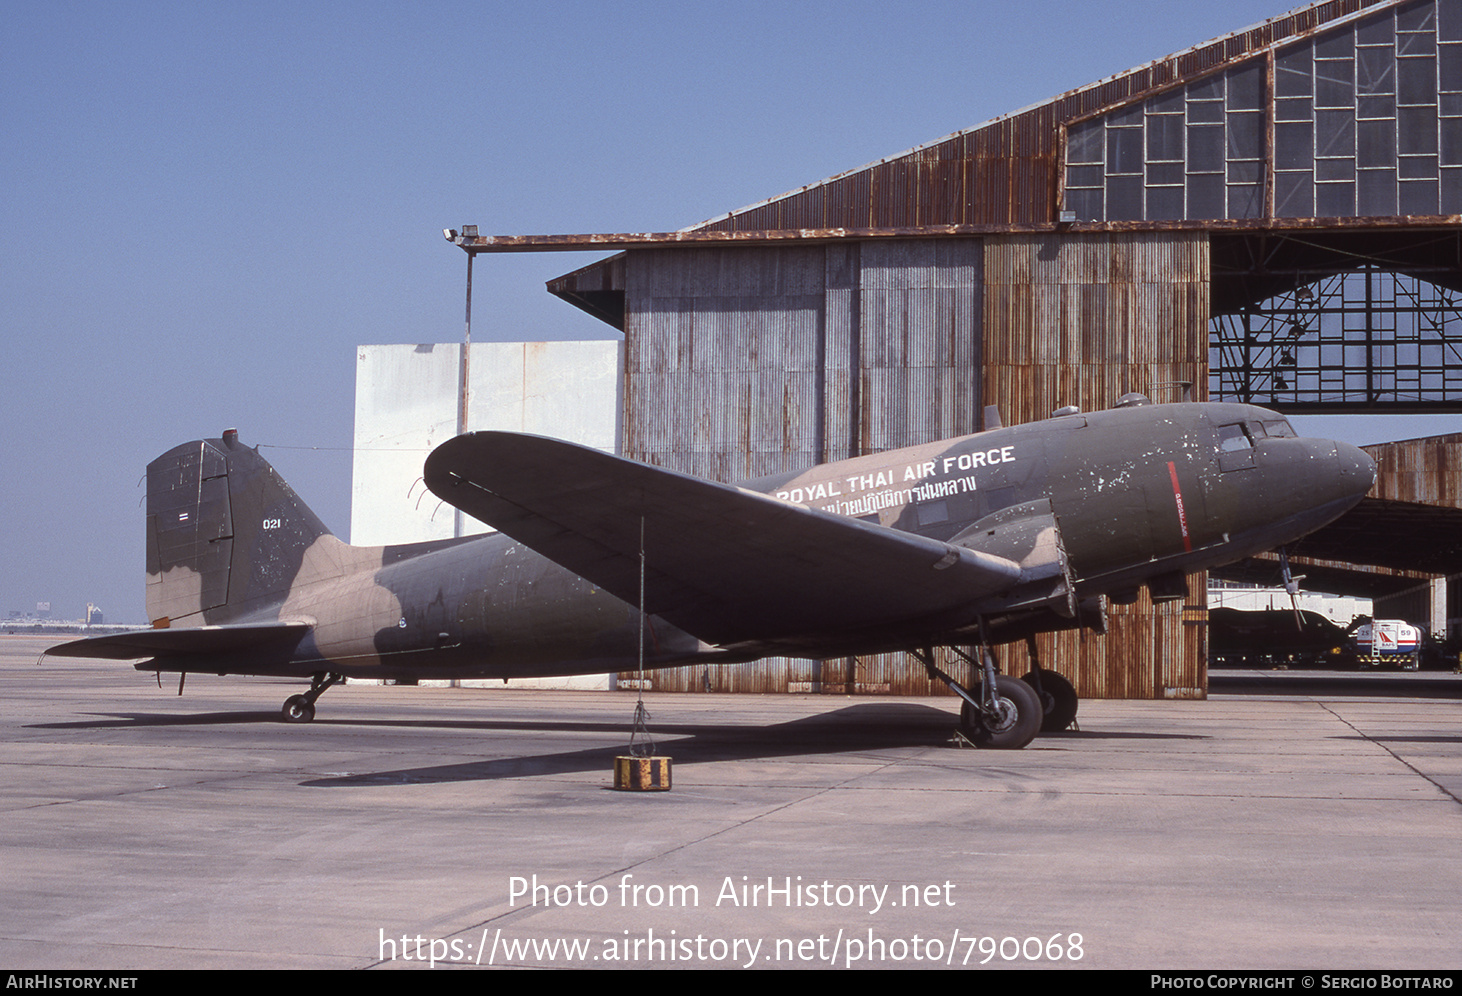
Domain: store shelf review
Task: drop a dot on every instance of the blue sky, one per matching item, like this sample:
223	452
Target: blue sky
205	207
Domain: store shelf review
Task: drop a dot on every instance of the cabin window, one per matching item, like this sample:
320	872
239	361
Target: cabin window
932	512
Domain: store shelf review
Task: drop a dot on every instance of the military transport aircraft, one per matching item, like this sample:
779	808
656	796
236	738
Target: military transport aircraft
601	562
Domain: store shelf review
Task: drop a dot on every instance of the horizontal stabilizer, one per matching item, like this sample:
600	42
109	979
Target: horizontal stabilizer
730	566
165	643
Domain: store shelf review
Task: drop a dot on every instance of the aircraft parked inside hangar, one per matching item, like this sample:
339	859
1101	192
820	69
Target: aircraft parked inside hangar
967	542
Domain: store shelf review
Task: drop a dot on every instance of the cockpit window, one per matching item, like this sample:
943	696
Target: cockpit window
1278	428
1233	438
1236	445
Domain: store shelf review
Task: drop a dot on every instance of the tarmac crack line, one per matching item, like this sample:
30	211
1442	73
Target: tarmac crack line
1381	744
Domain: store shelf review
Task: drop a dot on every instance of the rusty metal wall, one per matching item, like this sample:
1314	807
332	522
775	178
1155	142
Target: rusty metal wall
1423	470
725	378
918	355
1083	319
723	371
742	362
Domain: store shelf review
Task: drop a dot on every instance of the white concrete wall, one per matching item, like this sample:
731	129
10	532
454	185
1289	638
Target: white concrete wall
406	405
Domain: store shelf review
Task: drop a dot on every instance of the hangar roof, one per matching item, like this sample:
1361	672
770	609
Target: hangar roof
1008	171
1333	116
1021	170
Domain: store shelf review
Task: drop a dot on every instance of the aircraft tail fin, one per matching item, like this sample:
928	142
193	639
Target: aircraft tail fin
226	536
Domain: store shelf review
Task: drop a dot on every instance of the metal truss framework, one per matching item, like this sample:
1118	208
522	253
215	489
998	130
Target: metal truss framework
1359	341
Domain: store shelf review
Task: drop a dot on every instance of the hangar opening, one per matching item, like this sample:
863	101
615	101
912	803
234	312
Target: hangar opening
1365	339
1272	216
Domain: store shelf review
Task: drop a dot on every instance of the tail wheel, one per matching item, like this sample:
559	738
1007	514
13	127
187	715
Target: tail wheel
298	709
1014	721
1058	699
301	708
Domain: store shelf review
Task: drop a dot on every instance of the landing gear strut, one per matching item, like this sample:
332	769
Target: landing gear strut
301	708
1002	712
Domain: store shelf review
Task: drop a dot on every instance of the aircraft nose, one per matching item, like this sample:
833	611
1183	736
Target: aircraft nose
1303	483
1357	469
1327	471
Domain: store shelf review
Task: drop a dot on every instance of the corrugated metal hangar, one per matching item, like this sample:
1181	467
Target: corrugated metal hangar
1272	216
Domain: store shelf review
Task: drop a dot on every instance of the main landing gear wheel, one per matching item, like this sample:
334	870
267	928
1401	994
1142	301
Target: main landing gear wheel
1015	721
298	709
1058	698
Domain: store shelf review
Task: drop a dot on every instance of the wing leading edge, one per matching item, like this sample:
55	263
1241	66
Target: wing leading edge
732	567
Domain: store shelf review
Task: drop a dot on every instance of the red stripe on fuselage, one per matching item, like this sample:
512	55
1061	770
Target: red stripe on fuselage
1178	500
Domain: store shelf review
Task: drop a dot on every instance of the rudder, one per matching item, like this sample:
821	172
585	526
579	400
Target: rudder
225	534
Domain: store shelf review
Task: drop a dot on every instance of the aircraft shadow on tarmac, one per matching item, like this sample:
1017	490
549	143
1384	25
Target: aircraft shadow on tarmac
864	726
799	738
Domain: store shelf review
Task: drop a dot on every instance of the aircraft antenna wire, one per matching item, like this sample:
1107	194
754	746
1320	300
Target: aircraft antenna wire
645	747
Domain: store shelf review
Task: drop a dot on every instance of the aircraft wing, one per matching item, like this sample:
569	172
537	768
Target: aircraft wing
730	566
164	643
